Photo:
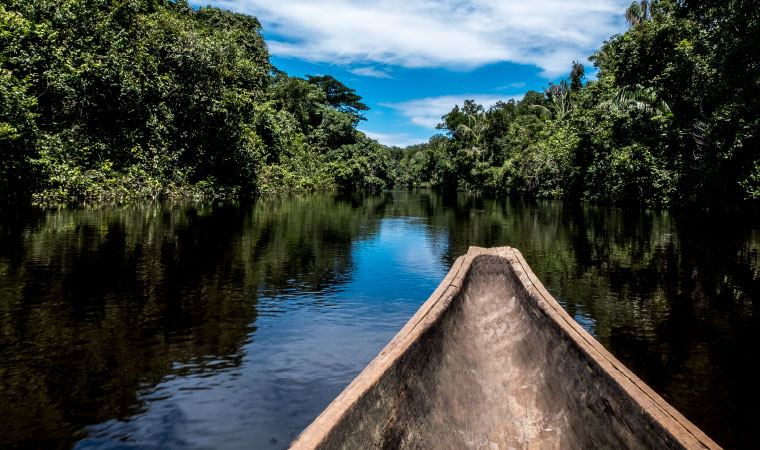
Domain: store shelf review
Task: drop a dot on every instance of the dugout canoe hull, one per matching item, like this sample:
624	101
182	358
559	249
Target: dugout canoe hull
492	361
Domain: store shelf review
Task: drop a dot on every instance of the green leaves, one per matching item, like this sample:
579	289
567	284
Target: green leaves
674	118
364	165
641	98
161	98
340	97
637	12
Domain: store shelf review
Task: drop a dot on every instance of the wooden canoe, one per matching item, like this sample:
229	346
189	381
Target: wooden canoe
491	361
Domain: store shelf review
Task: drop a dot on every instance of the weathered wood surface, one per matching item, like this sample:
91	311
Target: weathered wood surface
491	361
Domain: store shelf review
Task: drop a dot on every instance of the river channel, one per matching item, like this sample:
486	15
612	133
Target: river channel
216	324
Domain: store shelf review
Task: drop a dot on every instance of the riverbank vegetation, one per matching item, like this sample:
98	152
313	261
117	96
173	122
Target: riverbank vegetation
105	99
672	119
146	98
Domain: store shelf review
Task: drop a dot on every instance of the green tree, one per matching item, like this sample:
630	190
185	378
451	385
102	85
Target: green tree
118	100
577	76
340	97
637	12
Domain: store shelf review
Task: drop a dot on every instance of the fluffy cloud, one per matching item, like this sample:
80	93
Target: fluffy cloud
455	34
427	112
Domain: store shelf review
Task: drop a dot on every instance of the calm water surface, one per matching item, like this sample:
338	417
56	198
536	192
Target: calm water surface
229	325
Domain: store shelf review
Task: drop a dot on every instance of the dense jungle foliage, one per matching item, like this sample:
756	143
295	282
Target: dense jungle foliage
673	119
119	99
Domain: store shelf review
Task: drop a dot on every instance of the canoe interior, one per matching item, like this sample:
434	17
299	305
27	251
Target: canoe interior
491	361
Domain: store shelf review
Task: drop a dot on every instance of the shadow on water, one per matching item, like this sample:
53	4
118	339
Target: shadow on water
117	320
98	304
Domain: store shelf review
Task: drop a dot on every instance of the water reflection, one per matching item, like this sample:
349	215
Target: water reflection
214	324
98	304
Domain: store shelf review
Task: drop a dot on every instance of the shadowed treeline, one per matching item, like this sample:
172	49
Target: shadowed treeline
113	100
670	118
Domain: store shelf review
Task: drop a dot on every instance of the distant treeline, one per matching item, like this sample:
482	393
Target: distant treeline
119	99
673	119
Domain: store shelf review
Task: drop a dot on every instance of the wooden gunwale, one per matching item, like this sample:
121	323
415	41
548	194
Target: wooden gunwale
650	403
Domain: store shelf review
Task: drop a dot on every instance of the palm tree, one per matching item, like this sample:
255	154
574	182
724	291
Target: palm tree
475	131
559	95
638	12
638	97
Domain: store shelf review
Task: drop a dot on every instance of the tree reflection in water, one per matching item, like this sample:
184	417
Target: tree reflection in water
116	322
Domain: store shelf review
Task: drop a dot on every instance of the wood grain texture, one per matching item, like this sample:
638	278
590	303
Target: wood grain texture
491	361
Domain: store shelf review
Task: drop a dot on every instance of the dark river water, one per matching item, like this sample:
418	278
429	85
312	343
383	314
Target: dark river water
232	325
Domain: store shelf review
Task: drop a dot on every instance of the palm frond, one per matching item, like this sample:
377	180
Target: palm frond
541	111
463	130
641	98
636	13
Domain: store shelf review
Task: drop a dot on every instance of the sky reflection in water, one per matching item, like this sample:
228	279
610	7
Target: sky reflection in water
227	325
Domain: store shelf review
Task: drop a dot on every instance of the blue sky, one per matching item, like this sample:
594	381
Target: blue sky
412	61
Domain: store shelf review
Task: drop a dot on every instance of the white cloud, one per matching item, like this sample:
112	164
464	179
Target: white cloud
399	139
370	72
457	34
427	112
